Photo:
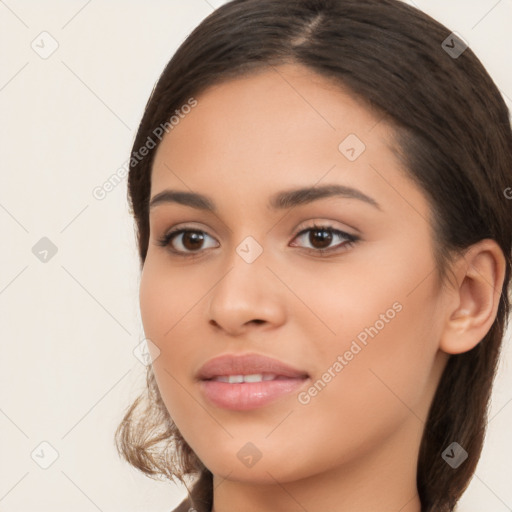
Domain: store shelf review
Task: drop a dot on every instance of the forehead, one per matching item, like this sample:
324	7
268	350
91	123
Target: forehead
270	113
281	127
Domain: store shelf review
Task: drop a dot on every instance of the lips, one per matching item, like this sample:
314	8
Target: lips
248	364
249	381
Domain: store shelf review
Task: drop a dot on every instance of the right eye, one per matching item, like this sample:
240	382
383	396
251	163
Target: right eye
189	241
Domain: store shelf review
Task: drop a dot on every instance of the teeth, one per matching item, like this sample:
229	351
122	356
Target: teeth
257	377
236	379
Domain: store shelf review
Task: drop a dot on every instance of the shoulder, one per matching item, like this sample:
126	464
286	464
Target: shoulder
200	498
184	506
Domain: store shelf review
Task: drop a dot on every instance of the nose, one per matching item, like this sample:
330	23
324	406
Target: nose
248	295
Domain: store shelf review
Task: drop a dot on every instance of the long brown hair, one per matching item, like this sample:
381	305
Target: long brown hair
453	131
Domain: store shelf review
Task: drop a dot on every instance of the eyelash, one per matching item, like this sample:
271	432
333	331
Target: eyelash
350	240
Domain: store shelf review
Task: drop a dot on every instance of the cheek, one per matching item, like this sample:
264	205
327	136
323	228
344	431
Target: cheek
382	387
165	302
389	358
151	307
166	314
386	333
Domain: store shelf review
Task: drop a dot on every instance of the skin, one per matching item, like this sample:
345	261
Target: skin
354	446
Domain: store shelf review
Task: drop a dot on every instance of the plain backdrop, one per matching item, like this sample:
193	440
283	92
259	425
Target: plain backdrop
69	271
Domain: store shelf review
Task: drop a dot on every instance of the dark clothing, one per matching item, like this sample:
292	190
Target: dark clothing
200	498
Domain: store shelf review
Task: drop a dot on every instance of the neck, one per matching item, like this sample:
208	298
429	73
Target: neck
383	479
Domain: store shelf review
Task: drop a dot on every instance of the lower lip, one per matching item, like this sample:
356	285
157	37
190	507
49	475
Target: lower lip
244	396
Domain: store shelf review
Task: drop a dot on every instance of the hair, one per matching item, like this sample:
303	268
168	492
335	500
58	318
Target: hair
452	130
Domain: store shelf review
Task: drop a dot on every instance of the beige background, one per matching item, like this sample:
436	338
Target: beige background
69	325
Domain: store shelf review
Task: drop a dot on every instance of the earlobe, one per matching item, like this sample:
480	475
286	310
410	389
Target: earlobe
480	276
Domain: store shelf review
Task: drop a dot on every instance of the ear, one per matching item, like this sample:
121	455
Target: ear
472	309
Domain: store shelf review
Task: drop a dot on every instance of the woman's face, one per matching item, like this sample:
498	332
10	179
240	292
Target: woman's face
361	321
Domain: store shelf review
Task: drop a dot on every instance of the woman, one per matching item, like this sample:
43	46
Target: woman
319	188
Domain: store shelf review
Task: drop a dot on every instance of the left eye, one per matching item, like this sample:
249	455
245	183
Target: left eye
320	237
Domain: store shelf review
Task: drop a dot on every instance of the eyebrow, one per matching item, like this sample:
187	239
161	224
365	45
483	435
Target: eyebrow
279	201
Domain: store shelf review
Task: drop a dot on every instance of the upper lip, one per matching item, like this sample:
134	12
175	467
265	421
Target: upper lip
247	364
